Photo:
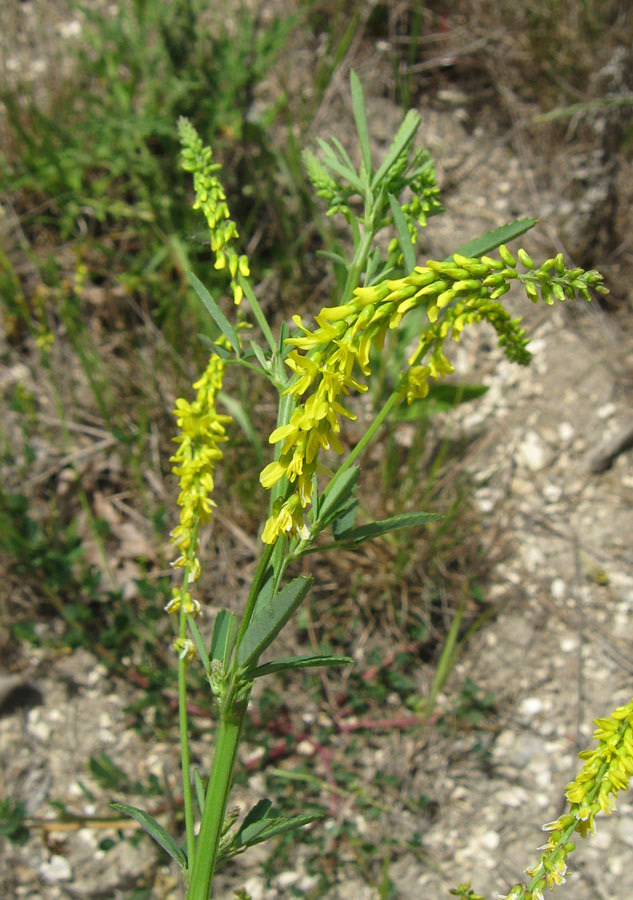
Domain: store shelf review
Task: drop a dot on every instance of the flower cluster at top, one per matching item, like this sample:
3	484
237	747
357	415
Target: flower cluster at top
211	199
326	362
607	770
201	431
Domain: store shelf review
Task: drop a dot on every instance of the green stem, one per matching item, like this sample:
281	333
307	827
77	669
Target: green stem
218	790
253	594
358	264
388	405
184	742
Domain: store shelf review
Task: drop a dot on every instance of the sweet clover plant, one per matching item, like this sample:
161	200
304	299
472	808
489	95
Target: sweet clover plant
317	369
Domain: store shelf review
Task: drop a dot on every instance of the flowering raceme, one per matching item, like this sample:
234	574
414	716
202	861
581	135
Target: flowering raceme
202	430
456	293
211	199
607	771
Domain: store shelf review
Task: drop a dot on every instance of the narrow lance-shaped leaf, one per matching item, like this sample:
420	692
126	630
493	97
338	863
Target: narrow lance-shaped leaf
404	136
215	312
493	239
331	161
268	828
223	636
346	519
155	831
360	116
269	618
337	493
404	238
375	529
296	662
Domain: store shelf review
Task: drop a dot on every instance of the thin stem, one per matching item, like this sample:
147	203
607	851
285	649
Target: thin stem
184	741
253	594
218	790
357	264
388	405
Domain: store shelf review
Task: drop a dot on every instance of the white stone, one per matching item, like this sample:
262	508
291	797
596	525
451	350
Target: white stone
558	588
70	29
531	706
55	869
606	411
513	797
490	840
533	452
254	888
306	748
569	643
566	432
287	879
552	492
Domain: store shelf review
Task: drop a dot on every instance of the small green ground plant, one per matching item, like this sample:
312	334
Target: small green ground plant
318	371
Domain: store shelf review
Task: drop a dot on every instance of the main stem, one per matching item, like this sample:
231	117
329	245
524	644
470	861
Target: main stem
218	790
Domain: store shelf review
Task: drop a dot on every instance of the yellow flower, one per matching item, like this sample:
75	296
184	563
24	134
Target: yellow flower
201	429
211	199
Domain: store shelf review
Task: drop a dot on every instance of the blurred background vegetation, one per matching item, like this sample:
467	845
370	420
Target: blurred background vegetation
100	331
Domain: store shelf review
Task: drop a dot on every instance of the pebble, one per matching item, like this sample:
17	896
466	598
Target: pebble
558	588
287	879
566	432
55	869
254	888
606	411
552	492
533	452
513	797
531	706
569	643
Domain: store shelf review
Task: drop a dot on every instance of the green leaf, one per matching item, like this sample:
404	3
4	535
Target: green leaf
335	258
223	636
269	618
404	238
200	792
346	519
268	828
215	312
199	642
440	398
218	349
337	493
256	813
492	239
374	529
358	104
331	161
403	138
253	302
155	831
296	662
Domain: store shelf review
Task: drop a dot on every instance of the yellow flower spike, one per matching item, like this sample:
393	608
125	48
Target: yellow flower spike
201	431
